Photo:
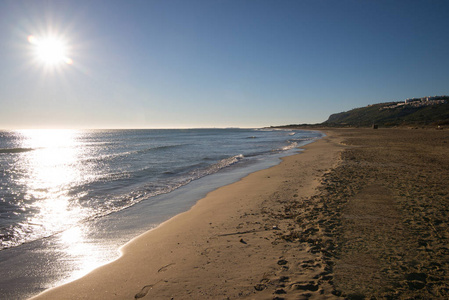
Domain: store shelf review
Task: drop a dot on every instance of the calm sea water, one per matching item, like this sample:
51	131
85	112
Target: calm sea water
51	181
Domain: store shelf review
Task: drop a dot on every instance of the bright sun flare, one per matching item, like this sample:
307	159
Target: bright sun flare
50	50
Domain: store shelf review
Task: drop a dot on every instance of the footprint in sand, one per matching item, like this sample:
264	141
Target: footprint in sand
144	291
164	268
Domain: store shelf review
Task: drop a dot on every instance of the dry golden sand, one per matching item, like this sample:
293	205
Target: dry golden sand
360	214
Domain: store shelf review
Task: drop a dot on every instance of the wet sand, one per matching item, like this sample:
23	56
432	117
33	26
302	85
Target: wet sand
361	213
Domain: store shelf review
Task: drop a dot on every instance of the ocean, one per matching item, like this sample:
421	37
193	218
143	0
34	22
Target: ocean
69	198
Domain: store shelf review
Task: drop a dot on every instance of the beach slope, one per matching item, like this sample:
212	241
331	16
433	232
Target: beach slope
254	238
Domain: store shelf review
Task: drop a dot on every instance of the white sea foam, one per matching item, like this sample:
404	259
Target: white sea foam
292	145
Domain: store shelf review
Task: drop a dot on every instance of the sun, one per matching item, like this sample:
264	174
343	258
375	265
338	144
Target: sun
50	50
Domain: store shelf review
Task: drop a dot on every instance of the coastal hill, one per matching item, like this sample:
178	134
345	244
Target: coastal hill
416	111
426	111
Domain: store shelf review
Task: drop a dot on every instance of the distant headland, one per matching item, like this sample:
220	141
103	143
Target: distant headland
423	112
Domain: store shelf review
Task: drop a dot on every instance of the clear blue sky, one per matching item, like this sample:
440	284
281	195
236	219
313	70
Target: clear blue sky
217	63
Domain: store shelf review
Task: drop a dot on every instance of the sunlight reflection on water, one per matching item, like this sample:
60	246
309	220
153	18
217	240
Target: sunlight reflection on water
83	255
51	169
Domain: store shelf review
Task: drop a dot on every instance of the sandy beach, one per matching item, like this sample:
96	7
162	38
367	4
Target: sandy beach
389	199
360	213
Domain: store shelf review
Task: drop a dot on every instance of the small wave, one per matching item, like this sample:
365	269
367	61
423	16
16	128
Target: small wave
224	163
25	232
173	184
160	148
163	187
292	145
15	150
109	157
303	139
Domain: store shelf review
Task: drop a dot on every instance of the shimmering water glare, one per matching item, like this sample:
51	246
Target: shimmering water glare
51	181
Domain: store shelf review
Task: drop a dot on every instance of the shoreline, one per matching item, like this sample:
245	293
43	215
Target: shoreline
201	252
42	264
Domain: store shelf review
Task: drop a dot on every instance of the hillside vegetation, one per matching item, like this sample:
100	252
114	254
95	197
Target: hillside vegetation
394	114
422	112
415	112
